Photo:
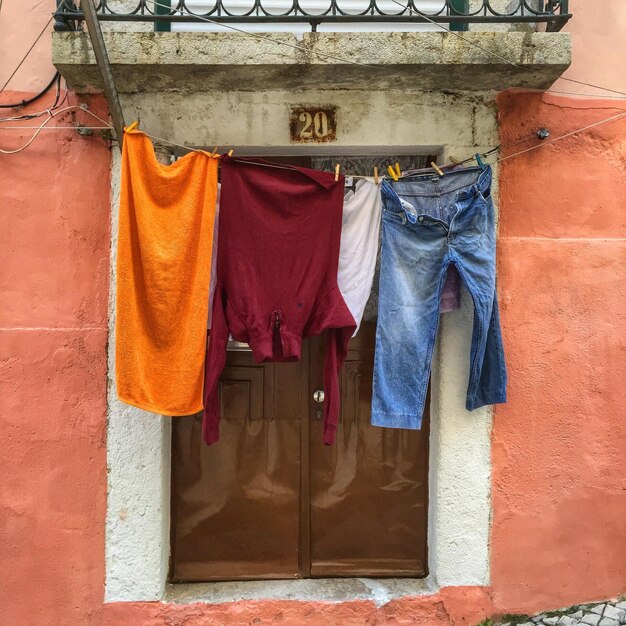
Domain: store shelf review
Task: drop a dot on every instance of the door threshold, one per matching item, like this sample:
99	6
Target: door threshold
377	590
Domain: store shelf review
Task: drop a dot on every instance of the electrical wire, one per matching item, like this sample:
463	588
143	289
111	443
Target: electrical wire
42	93
580	82
584	95
182	11
456	164
8	80
55	105
43	125
257	36
501	58
324	55
543	142
260	37
29	116
263	38
574	132
80	127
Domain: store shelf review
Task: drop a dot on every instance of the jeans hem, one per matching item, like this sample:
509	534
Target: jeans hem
396	420
477	403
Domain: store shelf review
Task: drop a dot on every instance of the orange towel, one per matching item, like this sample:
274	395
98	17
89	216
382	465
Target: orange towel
163	273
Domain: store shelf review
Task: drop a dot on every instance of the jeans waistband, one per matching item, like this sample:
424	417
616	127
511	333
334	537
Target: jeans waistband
438	186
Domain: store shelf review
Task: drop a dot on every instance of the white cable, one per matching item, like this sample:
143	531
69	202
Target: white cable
497	56
261	37
510	156
574	132
585	95
79	127
437	24
45	122
30	140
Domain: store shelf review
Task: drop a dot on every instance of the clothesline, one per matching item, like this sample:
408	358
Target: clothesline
209	269
51	115
182	11
107	126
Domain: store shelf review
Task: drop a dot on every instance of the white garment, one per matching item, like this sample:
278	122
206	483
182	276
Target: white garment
360	233
214	254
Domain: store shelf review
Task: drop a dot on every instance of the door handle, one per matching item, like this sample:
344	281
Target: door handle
318	396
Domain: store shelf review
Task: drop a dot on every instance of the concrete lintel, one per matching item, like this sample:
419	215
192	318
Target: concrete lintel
154	62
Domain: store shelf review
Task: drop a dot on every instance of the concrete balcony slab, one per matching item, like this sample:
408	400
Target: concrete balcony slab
191	62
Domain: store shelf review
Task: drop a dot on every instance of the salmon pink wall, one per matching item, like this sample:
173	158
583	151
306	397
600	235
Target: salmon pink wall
598	29
454	606
559	480
558	445
54	251
21	22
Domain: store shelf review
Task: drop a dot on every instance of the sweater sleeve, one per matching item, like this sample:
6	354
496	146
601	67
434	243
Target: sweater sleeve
214	364
336	353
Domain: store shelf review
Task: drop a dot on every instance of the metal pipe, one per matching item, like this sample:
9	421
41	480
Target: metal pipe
102	60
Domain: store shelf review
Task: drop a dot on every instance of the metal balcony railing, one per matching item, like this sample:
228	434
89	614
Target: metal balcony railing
454	14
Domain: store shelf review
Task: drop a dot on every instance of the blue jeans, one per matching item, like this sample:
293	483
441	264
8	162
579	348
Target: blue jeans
429	223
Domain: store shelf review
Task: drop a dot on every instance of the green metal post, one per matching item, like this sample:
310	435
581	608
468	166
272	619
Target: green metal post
163	26
459	7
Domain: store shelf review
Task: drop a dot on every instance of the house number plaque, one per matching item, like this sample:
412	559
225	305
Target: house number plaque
309	124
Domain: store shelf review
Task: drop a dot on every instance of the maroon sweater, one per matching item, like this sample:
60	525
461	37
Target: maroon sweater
277	257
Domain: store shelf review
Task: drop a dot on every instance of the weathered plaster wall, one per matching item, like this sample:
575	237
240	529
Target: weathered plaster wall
54	246
559	486
21	21
455	606
598	33
138	461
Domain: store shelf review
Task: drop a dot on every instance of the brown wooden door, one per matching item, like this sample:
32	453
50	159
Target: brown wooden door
368	492
236	504
269	500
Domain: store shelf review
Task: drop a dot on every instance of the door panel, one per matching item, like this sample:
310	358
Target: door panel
368	492
236	504
269	500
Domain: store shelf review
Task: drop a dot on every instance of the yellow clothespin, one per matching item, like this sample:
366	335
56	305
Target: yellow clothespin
337	172
376	175
230	153
436	168
398	170
392	172
132	126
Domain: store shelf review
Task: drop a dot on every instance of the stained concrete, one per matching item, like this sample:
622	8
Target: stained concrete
188	62
380	591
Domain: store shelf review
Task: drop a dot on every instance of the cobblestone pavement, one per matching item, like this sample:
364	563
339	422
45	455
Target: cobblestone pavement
603	614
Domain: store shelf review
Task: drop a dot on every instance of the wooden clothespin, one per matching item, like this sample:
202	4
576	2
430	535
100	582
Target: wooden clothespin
398	172
337	172
436	168
132	126
215	150
376	175
230	152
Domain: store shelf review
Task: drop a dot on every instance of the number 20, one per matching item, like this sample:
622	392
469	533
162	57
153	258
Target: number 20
319	122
